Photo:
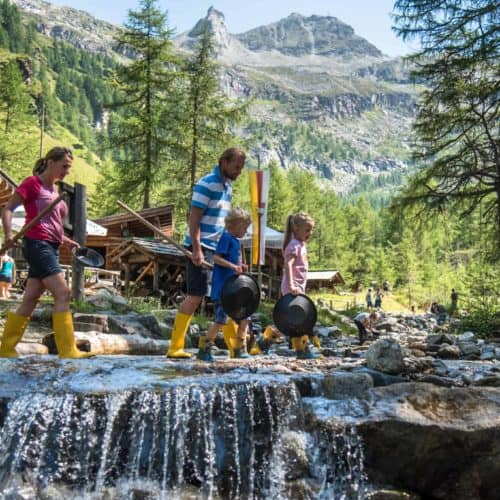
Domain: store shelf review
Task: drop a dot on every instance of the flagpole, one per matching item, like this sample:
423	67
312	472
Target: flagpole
259	269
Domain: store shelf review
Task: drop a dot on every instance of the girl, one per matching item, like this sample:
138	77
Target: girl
41	251
298	230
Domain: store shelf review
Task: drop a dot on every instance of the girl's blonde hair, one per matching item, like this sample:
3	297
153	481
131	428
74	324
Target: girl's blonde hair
55	154
293	222
237	215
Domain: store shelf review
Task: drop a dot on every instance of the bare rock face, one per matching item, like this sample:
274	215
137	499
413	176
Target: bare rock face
298	35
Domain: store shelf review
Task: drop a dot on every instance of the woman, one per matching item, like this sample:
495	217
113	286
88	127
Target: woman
41	251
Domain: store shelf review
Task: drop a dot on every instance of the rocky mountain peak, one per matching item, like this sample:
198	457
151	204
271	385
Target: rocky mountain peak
297	35
217	26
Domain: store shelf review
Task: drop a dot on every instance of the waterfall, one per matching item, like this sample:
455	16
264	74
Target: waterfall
188	440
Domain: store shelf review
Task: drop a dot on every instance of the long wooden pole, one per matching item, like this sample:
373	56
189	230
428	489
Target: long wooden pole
159	233
32	222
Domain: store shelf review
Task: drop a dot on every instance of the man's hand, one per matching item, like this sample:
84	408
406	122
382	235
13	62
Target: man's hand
237	268
197	257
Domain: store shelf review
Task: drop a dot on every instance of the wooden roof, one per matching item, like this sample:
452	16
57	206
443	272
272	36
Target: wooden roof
150	247
126	224
333	276
7	188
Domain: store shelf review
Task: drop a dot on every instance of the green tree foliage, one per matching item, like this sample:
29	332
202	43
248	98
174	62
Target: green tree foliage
211	118
15	117
458	116
140	131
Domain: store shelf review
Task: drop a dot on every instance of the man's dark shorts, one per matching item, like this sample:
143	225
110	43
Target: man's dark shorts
5	279
42	257
199	277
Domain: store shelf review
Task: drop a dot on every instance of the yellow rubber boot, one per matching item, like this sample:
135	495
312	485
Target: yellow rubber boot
297	344
230	333
265	342
64	335
181	324
12	334
316	342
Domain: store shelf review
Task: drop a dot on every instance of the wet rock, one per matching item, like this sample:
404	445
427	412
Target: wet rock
467	337
380	379
385	355
469	348
439	381
294	453
492	380
145	325
447	351
387	494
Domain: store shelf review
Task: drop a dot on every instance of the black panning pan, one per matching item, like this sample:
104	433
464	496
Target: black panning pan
295	315
88	257
240	296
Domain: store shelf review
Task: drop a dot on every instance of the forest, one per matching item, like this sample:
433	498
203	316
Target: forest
150	127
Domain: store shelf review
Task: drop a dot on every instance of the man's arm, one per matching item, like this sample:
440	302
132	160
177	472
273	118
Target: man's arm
195	216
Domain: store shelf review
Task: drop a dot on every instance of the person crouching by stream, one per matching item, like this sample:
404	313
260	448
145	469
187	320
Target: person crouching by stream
227	262
364	322
41	251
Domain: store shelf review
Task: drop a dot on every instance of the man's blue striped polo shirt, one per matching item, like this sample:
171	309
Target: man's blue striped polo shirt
212	195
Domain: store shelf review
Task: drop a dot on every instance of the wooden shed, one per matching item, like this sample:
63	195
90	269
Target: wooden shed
151	266
122	227
324	279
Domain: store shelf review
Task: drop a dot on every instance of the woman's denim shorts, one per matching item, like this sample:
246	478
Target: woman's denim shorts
42	257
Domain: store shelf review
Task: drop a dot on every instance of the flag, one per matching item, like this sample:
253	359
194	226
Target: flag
259	192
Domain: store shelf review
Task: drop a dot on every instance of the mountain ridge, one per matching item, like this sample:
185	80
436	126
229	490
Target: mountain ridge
303	74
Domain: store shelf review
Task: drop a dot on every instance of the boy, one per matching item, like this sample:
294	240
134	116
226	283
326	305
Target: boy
227	261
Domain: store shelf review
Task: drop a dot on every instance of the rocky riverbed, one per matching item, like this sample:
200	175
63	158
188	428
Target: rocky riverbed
412	413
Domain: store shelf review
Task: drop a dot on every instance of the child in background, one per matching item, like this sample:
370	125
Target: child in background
227	262
298	230
6	275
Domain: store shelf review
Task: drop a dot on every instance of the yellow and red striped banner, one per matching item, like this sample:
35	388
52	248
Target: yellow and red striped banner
259	192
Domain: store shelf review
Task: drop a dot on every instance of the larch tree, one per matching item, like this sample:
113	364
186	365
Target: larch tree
457	122
140	130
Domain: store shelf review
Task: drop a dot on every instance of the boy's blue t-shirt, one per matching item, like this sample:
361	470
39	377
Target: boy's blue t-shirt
228	247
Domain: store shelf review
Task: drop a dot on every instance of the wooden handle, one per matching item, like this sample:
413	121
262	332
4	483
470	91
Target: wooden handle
32	222
159	233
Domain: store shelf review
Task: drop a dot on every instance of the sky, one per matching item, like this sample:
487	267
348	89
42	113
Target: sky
369	18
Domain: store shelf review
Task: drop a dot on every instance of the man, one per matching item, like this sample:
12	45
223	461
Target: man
210	203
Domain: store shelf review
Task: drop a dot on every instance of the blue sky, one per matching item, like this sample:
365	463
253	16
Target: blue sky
369	18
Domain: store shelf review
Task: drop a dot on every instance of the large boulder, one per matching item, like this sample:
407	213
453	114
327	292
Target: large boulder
386	356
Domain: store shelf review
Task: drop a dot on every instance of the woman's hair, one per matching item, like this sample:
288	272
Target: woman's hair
55	154
293	222
237	215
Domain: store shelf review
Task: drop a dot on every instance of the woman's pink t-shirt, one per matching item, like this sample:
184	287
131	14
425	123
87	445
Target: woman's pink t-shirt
298	250
36	196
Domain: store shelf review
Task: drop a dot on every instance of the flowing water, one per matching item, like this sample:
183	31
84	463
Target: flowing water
190	437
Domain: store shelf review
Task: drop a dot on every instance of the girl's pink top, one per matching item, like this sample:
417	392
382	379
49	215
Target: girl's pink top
298	250
36	196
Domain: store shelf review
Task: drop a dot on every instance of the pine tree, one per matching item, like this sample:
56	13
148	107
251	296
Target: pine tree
139	130
458	116
210	116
